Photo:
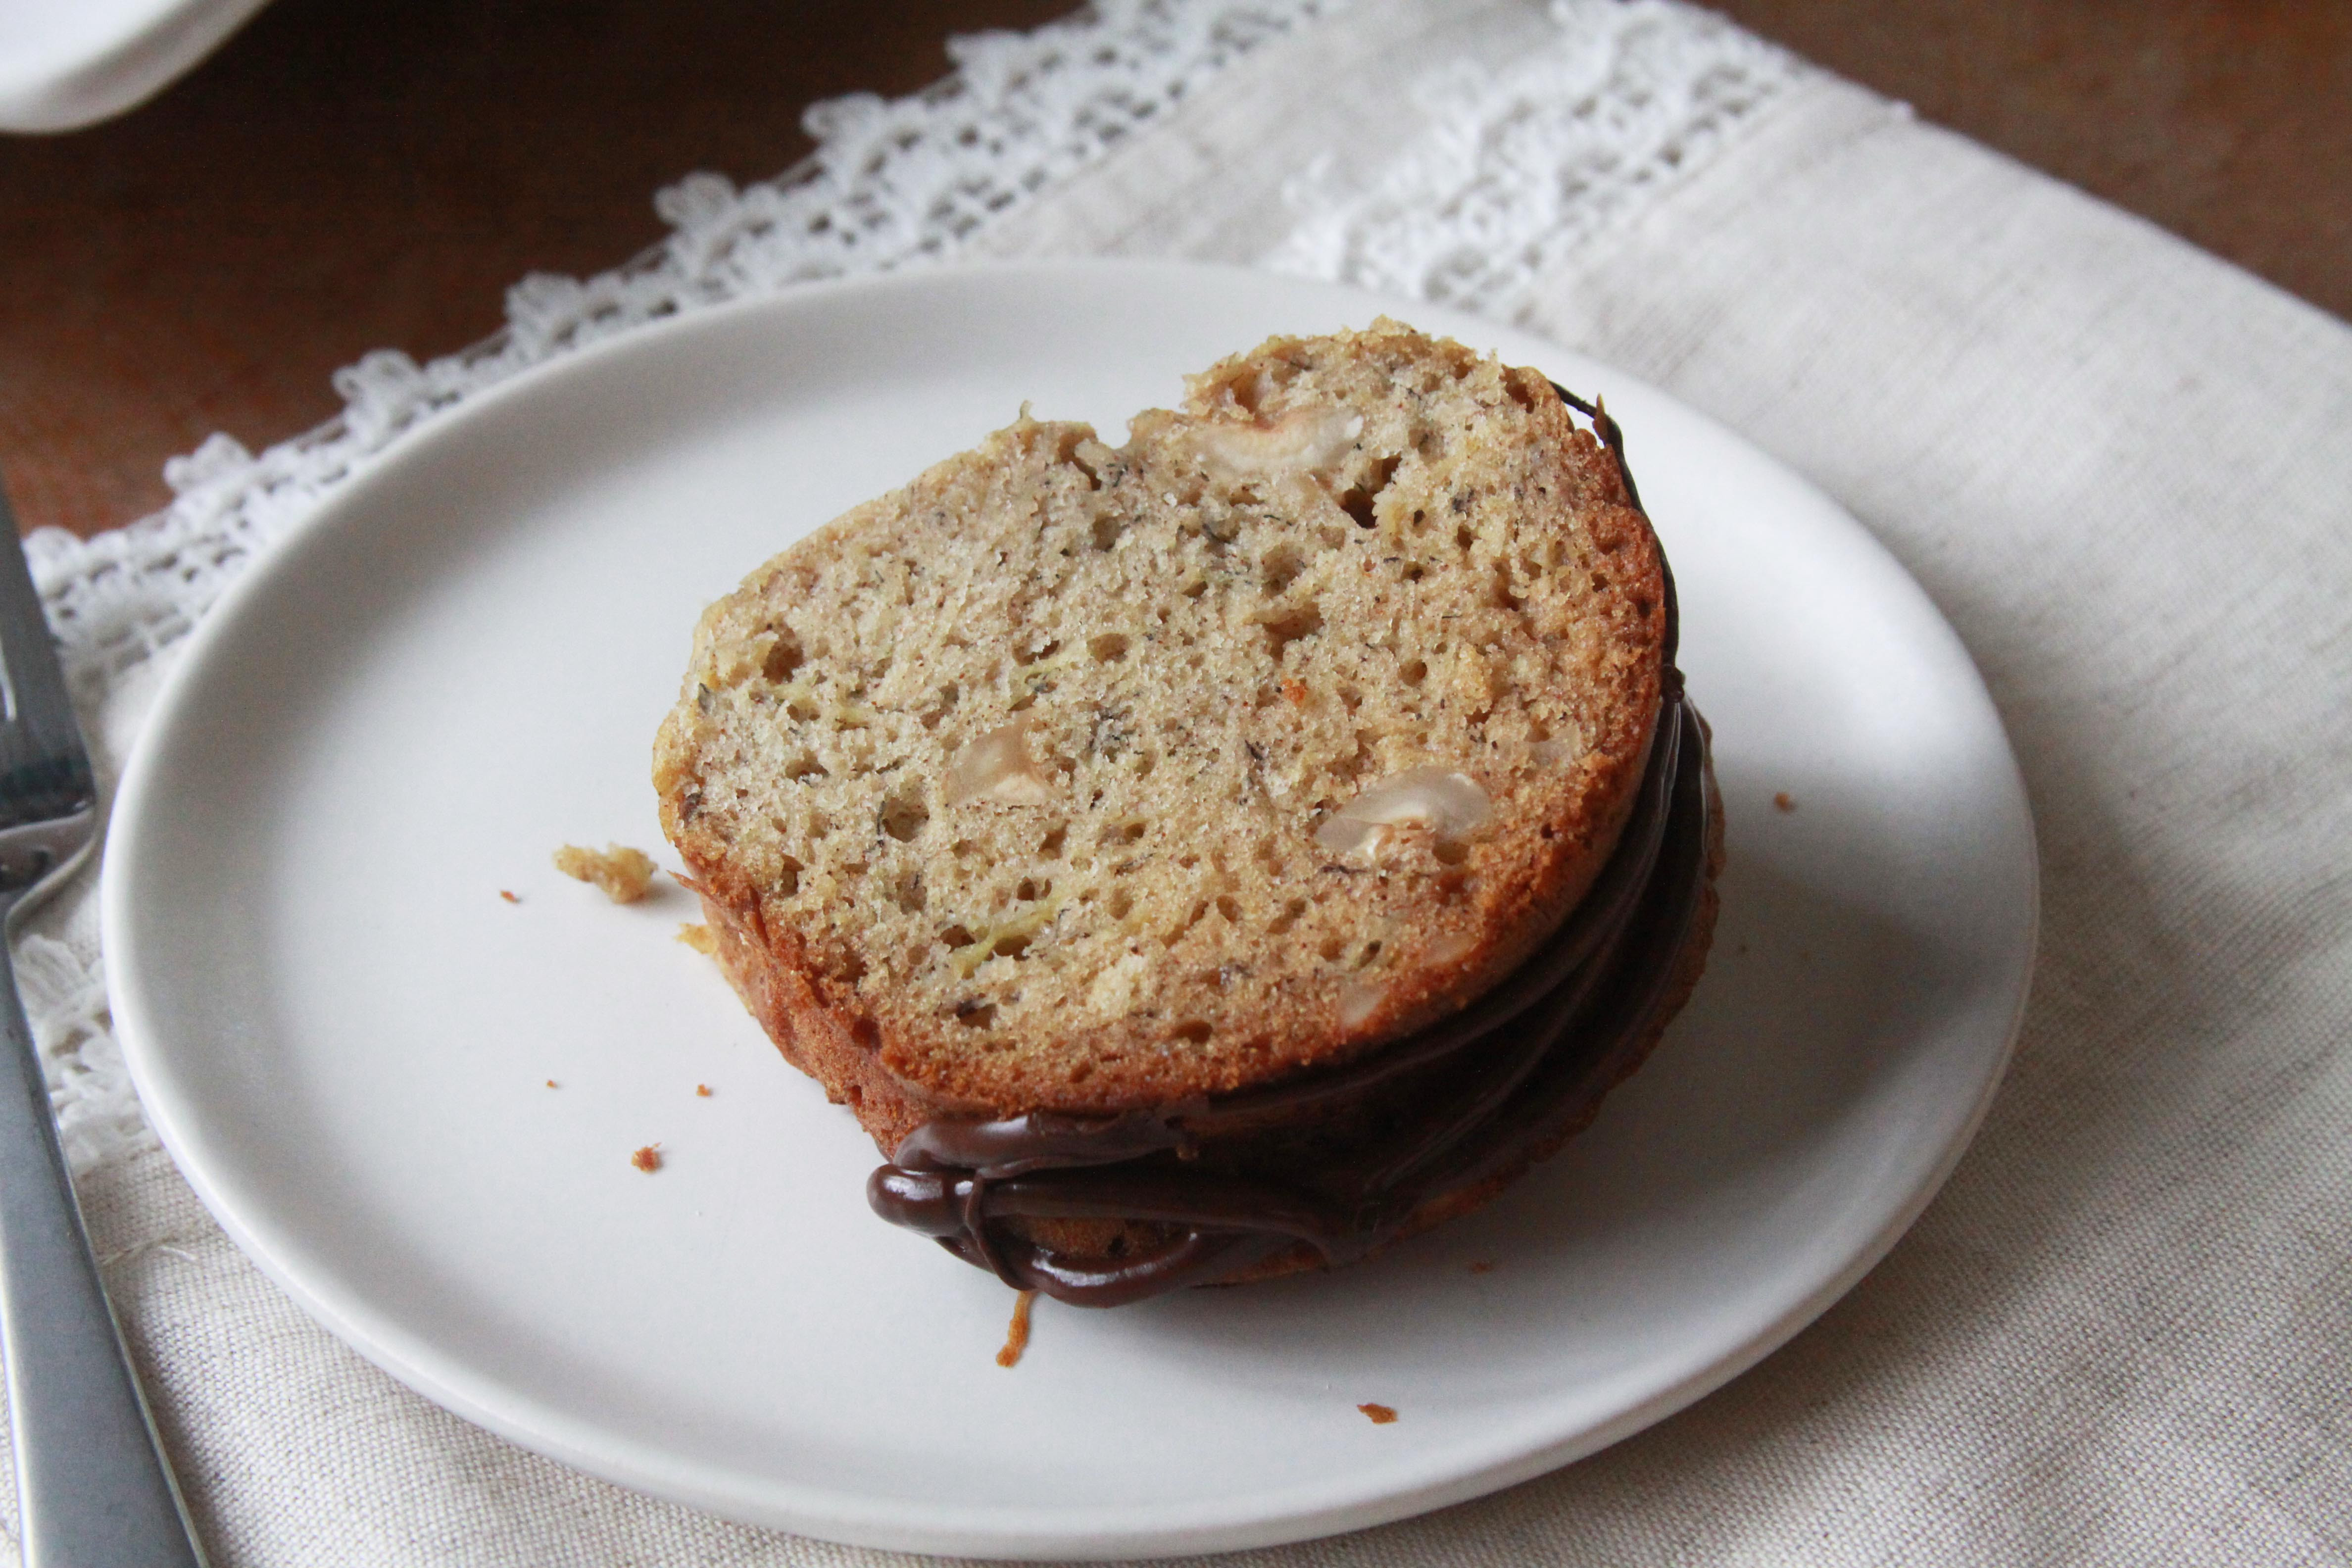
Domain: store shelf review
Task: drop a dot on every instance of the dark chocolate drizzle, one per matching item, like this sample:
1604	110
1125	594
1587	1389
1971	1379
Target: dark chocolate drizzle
1486	1090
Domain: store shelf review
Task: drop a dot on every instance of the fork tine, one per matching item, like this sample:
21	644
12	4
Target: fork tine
44	771
92	1482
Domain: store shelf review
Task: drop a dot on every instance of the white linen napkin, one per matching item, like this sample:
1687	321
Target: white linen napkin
2122	468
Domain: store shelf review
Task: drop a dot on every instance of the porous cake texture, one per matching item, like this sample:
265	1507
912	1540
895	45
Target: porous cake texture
1085	778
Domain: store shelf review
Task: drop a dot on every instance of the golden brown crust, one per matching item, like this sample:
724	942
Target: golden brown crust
820	663
830	1045
820	1042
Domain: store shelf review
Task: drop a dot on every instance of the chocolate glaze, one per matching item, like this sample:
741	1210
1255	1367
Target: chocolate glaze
1456	1104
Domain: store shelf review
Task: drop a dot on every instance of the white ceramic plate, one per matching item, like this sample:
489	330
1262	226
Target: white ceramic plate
64	64
344	1033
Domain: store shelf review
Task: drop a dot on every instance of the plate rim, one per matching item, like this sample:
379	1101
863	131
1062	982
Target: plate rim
638	1466
105	74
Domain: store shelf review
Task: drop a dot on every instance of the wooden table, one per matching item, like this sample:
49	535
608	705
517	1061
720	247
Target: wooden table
350	174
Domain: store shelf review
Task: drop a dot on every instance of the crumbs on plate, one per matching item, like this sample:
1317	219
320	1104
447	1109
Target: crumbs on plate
1379	1415
1016	1337
648	1159
625	875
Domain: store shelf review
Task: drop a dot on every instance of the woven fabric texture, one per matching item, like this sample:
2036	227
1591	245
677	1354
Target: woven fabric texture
2123	1332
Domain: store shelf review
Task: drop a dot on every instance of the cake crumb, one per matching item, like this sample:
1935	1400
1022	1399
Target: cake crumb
703	1090
625	875
698	938
648	1159
550	1083
1482	1269
1380	1415
509	897
1785	801
1016	1337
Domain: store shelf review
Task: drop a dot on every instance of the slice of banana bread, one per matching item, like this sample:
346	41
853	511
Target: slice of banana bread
1078	781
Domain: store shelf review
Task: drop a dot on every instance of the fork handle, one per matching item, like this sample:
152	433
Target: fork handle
93	1488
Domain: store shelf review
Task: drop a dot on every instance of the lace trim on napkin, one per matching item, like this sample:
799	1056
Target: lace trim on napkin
893	182
1518	170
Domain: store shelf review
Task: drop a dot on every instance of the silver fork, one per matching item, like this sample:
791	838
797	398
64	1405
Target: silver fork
93	1490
